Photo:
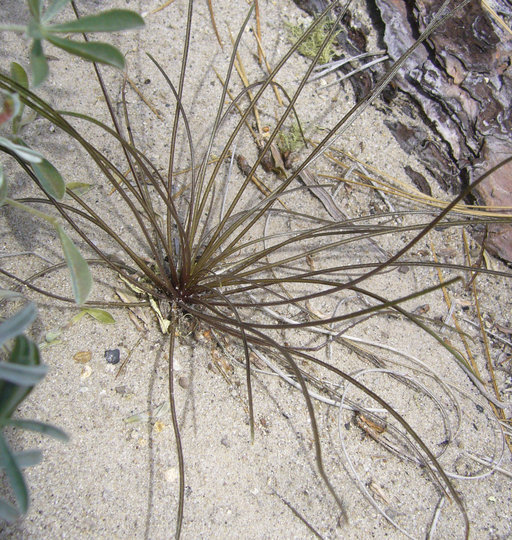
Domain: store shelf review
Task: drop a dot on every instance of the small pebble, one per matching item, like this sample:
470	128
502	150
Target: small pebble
171	475
86	372
112	356
225	442
121	389
184	382
158	427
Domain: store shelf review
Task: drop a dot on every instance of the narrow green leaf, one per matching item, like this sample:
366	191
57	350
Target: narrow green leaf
22	375
3	186
100	315
35	8
31	210
8	512
94	51
19	75
4	293
38	63
50	337
54	9
14	475
23	152
77	317
106	21
16	325
50	179
78	188
34	30
25	459
38	427
81	279
24	353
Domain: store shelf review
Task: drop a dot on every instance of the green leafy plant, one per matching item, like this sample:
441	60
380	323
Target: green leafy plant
40	28
20	366
20	370
202	248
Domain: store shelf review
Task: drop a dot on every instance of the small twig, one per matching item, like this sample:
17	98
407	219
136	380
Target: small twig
298	514
332	66
488	462
269	69
212	17
156	10
258	31
435	518
20	253
153	109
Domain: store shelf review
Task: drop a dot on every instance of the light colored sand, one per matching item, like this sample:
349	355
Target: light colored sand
119	480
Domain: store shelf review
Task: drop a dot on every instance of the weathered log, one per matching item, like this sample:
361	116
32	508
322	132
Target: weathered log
461	80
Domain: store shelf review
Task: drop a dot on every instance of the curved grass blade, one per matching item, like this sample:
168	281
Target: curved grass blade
176	428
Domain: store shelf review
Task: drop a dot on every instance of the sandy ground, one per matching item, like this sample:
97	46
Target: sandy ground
119	479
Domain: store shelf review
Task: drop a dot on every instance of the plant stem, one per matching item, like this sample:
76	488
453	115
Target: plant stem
13	28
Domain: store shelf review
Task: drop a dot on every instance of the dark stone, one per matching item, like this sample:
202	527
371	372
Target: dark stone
112	356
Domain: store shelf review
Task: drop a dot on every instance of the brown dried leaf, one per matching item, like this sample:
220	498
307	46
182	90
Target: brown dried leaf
82	357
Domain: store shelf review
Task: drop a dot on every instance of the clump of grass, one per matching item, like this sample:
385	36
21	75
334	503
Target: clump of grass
203	247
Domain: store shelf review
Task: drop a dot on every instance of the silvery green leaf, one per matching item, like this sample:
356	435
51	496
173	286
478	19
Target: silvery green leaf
54	9
15	476
17	324
28	458
50	179
8	512
106	21
23	152
81	279
38	427
94	51
22	375
38	63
